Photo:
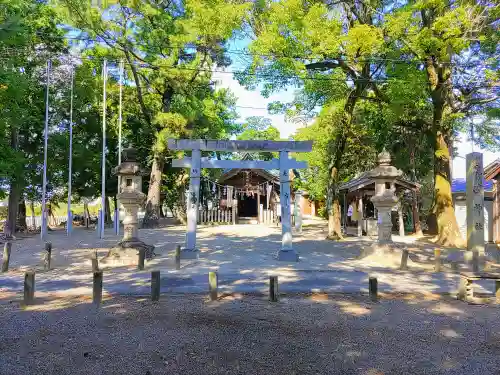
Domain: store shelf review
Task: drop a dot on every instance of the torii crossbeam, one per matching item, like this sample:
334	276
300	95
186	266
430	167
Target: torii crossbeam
195	163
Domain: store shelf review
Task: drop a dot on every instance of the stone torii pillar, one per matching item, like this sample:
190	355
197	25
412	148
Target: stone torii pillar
286	253
190	251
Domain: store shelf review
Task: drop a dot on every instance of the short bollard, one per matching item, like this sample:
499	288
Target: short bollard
142	256
475	261
437	260
97	288
155	285
373	288
6	256
95	262
273	289
404	260
48	255
29	287
497	291
178	257
212	285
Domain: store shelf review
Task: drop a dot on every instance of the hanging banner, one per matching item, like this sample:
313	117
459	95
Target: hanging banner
269	189
230	196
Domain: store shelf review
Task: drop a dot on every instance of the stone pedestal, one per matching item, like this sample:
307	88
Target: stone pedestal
384	203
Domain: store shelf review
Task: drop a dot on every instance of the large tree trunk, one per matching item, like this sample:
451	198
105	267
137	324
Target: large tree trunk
333	207
10	225
152	215
21	217
333	195
86	215
439	76
107	211
448	230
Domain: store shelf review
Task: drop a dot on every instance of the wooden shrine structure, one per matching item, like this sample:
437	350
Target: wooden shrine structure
256	192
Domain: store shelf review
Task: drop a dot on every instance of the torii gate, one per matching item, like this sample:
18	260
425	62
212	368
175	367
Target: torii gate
195	162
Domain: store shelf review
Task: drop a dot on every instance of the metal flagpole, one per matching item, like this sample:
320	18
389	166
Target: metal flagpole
117	209
43	230
103	167
69	223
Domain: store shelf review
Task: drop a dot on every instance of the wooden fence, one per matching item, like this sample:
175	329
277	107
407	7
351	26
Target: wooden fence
268	217
215	215
222	216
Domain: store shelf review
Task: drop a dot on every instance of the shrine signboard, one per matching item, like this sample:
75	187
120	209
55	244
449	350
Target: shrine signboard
195	163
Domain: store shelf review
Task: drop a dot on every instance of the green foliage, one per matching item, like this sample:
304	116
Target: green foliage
259	128
28	33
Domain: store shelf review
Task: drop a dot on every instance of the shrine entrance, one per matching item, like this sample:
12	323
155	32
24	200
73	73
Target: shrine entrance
248	206
283	164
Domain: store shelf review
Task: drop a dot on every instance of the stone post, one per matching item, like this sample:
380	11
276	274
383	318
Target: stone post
401	219
360	216
475	202
286	253
6	256
298	211
29	287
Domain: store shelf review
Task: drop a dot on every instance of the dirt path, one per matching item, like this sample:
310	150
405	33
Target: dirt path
187	335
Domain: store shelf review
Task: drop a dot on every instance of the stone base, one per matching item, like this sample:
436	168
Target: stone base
126	253
287	256
466	258
384	254
190	253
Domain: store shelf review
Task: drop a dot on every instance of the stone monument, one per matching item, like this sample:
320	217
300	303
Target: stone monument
131	198
475	202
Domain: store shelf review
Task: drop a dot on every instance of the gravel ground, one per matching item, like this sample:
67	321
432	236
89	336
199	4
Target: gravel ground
248	335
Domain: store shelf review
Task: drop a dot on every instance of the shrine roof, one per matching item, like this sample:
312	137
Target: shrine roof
458	185
492	170
272	174
364	180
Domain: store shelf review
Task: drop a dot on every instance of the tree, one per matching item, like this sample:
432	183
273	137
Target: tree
170	51
438	33
259	128
325	43
28	36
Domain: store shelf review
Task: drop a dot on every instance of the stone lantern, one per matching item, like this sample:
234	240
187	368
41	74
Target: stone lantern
384	199
131	198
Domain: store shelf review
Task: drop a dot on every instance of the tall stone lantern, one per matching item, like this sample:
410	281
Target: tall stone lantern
384	199
131	198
